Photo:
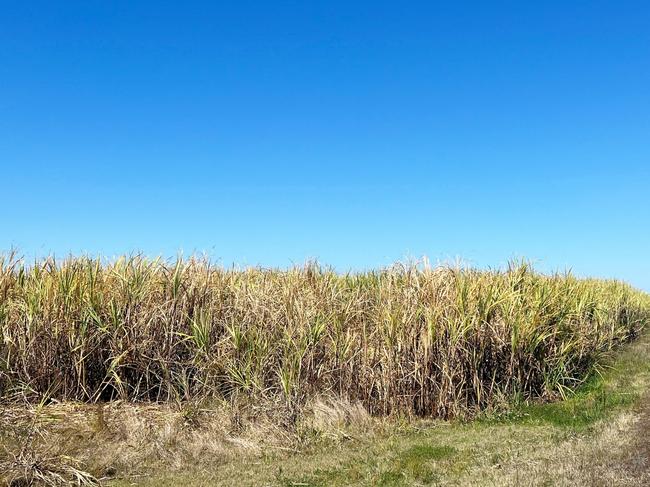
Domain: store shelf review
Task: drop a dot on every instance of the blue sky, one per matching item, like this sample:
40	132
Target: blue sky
357	133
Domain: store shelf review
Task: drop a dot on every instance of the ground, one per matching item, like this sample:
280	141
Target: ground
599	436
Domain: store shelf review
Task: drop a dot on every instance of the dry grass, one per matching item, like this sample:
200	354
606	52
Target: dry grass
405	340
28	457
82	444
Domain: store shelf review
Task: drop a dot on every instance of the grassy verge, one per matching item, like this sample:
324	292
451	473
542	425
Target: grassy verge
589	439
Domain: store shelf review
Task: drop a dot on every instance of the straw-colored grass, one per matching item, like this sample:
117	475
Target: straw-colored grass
409	339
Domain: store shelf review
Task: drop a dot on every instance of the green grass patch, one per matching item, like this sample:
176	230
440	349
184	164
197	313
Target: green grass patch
428	452
618	385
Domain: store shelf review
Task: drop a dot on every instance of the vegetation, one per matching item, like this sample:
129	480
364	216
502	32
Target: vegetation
144	369
598	436
409	339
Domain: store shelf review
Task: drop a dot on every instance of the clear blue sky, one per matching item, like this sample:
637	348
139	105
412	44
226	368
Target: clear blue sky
357	133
